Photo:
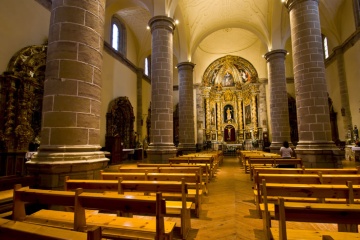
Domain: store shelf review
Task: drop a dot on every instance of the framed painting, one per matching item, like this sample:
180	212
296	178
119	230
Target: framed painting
247	114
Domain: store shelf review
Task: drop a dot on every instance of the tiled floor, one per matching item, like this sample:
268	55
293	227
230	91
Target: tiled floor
229	211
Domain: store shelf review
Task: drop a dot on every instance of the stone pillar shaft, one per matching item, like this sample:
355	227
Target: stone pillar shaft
70	131
186	107
315	145
161	141
279	112
309	73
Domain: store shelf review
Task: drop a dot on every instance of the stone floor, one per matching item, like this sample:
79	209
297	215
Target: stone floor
229	211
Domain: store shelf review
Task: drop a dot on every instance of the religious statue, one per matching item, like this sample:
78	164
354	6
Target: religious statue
228	114
212	116
355	133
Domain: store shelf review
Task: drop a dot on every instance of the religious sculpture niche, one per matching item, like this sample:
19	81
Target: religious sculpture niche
228	113
229	133
21	96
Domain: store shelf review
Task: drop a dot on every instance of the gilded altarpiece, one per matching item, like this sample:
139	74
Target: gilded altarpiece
230	90
21	96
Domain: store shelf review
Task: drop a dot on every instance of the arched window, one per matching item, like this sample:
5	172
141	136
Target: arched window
325	46
118	36
147	70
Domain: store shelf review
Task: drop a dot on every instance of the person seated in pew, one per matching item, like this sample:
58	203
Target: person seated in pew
286	152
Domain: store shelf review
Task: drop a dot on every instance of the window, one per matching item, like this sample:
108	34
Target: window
147	66
118	36
325	47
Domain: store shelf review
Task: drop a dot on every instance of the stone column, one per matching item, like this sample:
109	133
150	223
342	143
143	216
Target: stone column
279	111
161	141
186	107
262	106
220	119
240	124
344	93
207	116
315	146
200	118
70	140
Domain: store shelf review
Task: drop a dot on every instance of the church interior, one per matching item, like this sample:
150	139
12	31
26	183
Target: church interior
91	86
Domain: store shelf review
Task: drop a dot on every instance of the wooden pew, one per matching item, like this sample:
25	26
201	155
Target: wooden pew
302	179
272	163
304	170
245	156
343	214
195	190
6	190
172	192
300	192
293	234
10	230
175	205
203	161
79	220
184	168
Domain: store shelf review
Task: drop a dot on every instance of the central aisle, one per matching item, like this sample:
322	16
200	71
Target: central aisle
229	210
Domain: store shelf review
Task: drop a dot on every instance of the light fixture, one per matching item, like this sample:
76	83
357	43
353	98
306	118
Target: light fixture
176	22
147	27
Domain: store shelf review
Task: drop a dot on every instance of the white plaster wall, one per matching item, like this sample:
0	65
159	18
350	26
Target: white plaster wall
117	81
352	60
22	23
345	20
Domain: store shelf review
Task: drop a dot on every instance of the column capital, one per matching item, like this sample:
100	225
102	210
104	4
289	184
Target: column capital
275	54
289	4
185	65
162	22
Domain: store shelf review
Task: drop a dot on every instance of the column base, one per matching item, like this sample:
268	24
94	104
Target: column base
320	154
51	168
186	148
160	153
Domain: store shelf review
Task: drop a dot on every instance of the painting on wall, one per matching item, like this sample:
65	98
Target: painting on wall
247	114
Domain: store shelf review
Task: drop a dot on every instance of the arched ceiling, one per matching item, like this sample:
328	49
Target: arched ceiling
219	26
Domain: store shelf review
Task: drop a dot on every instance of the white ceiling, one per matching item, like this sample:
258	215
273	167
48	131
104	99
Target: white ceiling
219	26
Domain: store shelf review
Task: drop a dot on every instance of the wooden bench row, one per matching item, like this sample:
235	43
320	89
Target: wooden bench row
346	214
272	163
113	227
6	189
244	157
10	230
174	192
300	179
167	170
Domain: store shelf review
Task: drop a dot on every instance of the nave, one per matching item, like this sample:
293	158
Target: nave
229	212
